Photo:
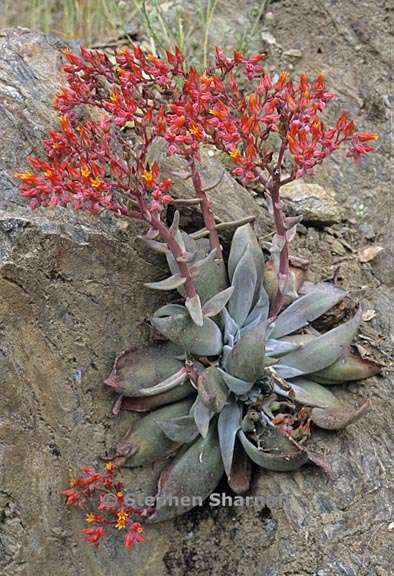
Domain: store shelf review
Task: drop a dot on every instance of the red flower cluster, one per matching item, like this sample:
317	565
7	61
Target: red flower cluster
91	165
106	497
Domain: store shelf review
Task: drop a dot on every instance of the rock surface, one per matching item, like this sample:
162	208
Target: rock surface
71	299
316	204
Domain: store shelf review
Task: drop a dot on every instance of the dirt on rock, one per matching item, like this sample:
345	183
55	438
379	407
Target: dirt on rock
72	298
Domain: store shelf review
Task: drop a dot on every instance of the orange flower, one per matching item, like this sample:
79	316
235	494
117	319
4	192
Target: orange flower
365	136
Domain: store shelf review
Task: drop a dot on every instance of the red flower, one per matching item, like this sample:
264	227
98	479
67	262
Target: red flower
93	535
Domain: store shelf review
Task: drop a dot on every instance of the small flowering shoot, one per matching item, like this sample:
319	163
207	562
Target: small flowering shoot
235	374
102	497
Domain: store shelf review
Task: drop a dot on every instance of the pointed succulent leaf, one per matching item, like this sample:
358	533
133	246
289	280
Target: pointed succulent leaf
193	475
211	279
271	280
159	247
212	389
187	257
136	369
231	330
350	366
283	458
170	310
170	283
287	285
244	282
305	310
144	404
180	429
147	442
246	360
347	368
202	416
320	394
236	385
338	417
259	312
169	383
194	307
277	348
228	425
205	340
241	470
216	304
243	238
320	352
175	223
198	264
211	276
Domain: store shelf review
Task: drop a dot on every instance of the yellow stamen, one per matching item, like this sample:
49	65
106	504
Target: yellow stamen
234	154
148	176
96	182
85	171
24	175
121	520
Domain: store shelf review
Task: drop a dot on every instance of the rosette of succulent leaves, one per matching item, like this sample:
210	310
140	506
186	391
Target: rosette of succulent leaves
236	386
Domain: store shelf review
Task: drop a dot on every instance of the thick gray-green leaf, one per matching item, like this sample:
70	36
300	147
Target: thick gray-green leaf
346	369
320	352
228	426
140	368
192	476
259	312
285	460
159	247
244	281
147	403
277	348
202	416
168	384
193	306
216	304
212	389
181	429
306	309
205	340
333	415
146	442
311	394
246	360
244	237
236	385
170	283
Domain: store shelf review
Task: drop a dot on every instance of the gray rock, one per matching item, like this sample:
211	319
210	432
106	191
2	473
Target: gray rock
317	204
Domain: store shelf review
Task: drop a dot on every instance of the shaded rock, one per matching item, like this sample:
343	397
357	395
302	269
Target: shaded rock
72	297
317	204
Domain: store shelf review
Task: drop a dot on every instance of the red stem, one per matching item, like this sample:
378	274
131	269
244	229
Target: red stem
206	209
284	253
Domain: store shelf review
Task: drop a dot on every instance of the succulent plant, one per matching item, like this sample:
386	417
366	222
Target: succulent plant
238	386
